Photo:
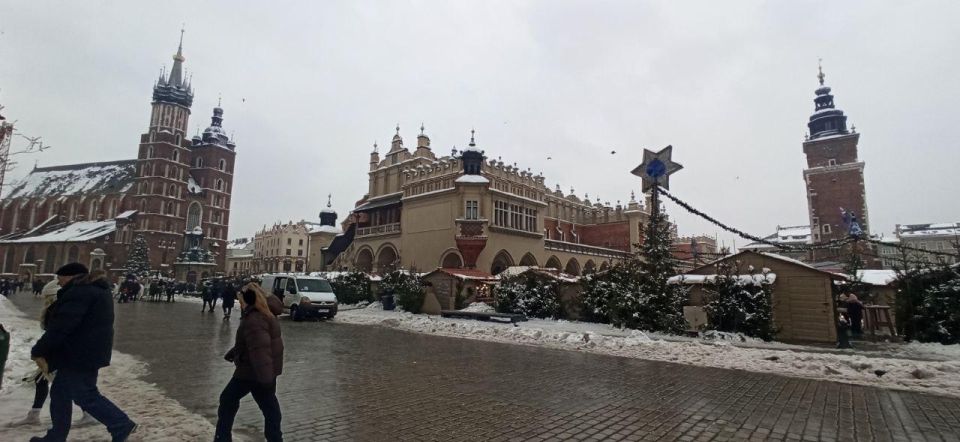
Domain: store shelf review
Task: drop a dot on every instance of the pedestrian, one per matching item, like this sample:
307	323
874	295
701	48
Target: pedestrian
37	287
77	342
129	290
206	295
40	379
855	313
258	356
229	295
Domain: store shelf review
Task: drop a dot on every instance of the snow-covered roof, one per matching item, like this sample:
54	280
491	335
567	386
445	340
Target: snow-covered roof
755	279
126	214
919	230
877	277
192	185
474	179
75	232
466	274
313	227
553	273
90	178
787	235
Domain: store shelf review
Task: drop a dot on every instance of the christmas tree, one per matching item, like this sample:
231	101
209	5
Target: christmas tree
635	294
740	303
138	257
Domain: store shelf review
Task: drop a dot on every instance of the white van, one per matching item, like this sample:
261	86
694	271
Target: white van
304	296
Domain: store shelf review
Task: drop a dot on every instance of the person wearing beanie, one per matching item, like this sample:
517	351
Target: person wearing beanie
40	379
77	342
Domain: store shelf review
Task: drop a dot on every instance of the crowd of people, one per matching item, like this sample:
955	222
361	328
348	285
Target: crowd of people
77	321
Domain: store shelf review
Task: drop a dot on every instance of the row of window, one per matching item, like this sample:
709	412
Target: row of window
274	252
198	163
514	216
523	191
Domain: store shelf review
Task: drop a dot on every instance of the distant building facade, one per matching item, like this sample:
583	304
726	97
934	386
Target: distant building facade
694	251
786	236
465	210
176	193
239	260
935	237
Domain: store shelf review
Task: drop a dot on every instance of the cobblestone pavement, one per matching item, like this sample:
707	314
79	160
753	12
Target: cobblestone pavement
349	382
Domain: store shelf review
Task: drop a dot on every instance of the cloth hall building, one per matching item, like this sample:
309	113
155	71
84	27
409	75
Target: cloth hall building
176	193
467	211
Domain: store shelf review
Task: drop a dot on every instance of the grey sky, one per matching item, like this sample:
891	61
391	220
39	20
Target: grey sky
729	84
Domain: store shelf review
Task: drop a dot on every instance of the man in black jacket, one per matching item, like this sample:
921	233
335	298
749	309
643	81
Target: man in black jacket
77	342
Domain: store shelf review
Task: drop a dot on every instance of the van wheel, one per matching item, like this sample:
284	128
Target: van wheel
295	313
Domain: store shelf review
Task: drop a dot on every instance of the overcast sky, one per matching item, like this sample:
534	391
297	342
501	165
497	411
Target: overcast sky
308	87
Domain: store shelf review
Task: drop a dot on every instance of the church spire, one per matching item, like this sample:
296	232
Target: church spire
176	73
174	88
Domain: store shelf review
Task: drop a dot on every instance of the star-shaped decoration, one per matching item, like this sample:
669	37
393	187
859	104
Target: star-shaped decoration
656	168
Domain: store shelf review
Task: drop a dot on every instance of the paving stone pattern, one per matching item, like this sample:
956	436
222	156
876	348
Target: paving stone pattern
348	382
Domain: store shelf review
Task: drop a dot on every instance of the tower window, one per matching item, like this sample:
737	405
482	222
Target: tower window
199	162
219	185
176	154
150	150
832	162
826	229
222	165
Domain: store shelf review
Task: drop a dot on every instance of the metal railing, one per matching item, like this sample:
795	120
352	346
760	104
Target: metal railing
383	229
561	246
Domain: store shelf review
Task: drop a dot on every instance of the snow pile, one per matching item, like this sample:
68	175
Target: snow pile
479	307
76	179
723	351
160	418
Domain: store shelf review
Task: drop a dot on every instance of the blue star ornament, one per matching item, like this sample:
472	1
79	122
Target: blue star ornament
656	168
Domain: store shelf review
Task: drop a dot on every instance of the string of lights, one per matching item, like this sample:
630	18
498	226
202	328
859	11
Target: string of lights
824	245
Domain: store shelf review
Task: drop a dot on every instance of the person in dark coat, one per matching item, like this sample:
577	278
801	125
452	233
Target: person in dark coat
229	295
258	357
855	313
77	342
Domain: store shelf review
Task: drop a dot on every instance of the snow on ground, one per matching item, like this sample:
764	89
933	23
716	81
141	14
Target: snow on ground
904	370
160	418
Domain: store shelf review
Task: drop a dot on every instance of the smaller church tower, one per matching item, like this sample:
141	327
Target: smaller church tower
834	173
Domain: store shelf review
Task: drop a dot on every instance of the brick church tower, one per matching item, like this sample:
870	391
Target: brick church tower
183	185
834	173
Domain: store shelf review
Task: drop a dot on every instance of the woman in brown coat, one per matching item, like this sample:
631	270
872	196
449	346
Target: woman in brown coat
258	356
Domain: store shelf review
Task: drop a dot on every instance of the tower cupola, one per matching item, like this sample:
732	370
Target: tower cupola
826	119
328	216
472	157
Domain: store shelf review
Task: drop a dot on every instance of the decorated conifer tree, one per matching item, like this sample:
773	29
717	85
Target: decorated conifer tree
138	257
656	305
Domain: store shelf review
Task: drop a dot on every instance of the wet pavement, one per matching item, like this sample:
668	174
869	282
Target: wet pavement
352	382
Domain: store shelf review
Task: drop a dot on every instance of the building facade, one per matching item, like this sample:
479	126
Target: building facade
176	193
465	210
281	247
239	260
935	237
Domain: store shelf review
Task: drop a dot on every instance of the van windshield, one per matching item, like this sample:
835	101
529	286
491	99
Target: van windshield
313	285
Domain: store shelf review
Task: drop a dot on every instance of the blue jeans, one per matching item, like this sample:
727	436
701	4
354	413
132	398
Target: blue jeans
265	395
81	387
